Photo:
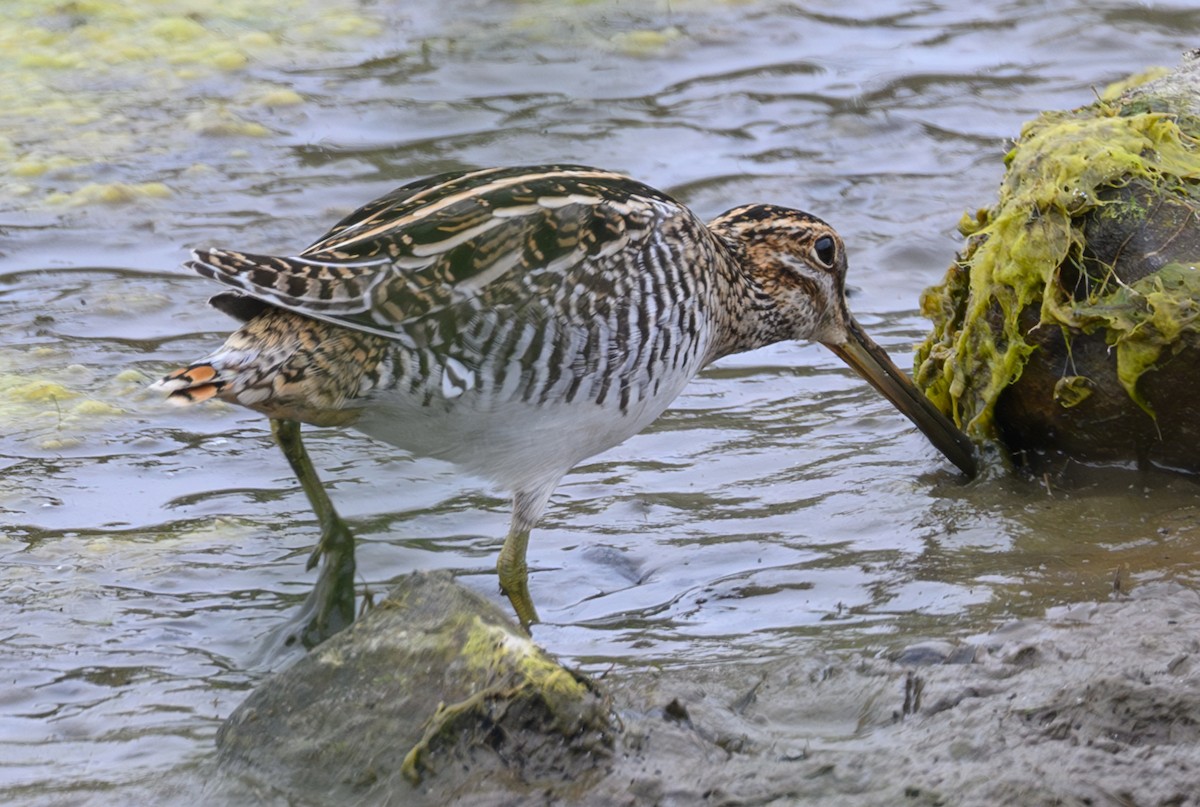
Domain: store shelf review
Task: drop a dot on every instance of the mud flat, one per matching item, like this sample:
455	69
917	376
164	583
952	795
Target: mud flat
1096	703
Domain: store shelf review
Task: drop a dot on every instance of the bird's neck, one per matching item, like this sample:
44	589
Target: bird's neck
747	316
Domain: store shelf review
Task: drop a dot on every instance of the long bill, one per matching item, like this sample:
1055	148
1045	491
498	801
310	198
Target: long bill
871	362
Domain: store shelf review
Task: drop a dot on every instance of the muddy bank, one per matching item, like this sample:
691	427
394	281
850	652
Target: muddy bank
1097	703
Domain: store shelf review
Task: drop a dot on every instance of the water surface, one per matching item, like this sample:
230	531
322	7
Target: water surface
147	553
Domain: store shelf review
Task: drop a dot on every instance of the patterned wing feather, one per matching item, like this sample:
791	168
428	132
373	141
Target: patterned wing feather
441	250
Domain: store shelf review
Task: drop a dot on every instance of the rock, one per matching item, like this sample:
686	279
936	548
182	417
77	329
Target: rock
1069	327
434	680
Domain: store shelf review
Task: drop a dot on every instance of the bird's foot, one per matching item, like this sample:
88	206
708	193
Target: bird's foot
517	591
329	607
336	539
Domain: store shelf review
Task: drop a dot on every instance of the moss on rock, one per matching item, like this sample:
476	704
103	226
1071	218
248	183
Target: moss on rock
433	680
1030	253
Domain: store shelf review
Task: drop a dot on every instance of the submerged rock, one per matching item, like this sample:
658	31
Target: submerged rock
1069	327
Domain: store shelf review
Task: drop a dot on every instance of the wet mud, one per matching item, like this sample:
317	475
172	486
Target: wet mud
1095	703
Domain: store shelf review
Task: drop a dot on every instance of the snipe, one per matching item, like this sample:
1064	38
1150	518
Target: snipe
516	321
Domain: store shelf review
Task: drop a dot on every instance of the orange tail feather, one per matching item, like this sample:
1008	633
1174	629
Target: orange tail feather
189	385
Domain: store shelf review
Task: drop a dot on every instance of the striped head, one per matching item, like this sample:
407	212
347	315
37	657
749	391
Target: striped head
798	261
798	264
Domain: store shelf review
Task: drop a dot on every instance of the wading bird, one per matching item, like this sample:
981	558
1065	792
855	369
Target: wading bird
516	321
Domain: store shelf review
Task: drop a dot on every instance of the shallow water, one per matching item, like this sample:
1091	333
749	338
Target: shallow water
147	553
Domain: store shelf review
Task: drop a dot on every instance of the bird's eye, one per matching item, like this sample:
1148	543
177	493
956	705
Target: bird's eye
825	251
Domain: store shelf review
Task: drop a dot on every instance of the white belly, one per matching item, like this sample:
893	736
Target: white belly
515	443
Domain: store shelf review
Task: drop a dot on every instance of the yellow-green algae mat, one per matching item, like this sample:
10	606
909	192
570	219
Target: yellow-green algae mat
1017	250
93	85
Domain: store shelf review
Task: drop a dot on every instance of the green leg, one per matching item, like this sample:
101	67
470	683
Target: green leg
510	566
330	606
514	576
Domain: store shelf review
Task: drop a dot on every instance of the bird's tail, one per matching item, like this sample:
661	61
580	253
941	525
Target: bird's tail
192	384
288	366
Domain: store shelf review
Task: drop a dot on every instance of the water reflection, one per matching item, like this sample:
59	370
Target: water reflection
146	552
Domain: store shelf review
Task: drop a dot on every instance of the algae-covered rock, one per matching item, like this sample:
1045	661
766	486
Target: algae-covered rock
435	688
1068	326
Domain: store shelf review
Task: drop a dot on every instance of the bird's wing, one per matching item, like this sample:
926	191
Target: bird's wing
444	249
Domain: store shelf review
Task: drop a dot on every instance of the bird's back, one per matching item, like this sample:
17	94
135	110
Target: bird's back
506	319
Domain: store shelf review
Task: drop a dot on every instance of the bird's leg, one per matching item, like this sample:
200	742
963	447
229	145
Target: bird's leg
330	605
510	566
514	575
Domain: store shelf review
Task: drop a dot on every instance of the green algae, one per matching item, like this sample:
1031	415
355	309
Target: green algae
1114	91
512	669
92	84
52	409
1018	248
1072	390
1142	319
611	26
107	102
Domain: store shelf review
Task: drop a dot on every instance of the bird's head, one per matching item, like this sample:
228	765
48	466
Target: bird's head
798	262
